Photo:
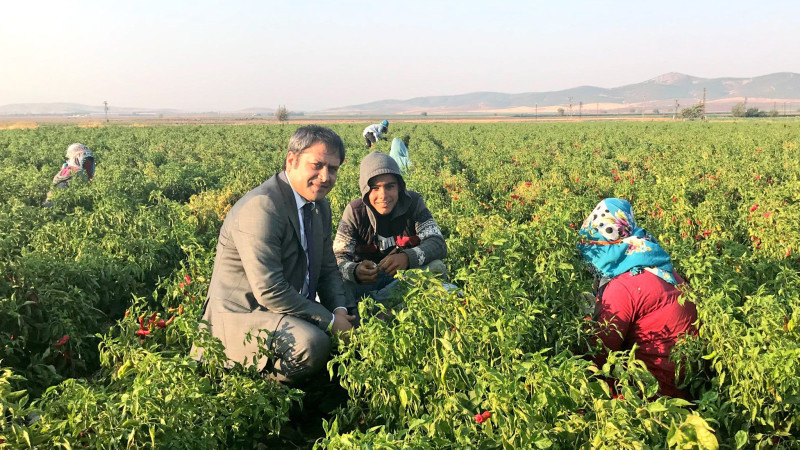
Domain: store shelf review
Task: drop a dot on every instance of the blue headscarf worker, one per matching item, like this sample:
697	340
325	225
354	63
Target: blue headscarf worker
637	291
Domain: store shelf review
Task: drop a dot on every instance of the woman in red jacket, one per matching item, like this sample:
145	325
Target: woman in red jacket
637	290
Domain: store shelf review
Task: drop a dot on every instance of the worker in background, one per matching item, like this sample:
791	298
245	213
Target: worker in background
374	132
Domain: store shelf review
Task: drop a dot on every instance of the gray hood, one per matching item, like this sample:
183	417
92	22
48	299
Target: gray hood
378	163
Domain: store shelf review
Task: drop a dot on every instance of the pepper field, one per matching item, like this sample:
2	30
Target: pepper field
101	294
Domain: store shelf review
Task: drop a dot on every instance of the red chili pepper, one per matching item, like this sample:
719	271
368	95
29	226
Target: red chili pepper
486	414
479	418
62	341
188	280
142	332
152	319
754	207
161	324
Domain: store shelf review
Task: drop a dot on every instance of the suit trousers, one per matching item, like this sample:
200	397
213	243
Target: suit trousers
299	349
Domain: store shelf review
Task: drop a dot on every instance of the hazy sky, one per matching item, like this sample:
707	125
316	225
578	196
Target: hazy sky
228	55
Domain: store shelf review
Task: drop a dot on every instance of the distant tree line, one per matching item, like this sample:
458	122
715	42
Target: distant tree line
741	110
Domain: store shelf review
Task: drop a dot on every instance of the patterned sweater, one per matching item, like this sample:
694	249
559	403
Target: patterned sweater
410	226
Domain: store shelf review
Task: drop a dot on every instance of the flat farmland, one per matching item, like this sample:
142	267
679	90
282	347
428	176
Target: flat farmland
136	245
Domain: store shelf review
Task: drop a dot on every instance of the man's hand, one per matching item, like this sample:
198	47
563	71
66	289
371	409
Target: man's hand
392	263
342	324
367	272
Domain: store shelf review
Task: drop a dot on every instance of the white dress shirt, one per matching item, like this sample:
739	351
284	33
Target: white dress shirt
300	202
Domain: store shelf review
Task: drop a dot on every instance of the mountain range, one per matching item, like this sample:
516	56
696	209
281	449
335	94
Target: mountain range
777	90
660	92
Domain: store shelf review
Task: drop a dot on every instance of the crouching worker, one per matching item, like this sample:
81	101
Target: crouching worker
388	229
637	291
79	164
372	133
274	256
399	153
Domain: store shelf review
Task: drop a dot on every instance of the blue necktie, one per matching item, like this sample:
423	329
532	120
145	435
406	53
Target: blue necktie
307	210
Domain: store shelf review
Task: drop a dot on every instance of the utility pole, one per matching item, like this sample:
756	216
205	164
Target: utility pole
580	110
676	109
105	106
570	107
704	105
536	112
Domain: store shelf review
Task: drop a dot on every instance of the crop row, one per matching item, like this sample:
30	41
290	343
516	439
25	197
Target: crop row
101	294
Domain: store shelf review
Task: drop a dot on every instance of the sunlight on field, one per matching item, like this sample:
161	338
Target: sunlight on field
20	126
91	125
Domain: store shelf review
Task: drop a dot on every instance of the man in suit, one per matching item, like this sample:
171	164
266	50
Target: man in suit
273	257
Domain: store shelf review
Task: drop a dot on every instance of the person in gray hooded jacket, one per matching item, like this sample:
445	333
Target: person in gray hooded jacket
388	229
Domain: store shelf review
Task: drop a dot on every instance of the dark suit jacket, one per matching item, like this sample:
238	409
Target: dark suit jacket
260	268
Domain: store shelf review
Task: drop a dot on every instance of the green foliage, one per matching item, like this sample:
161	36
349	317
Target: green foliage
282	114
692	112
722	198
738	110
